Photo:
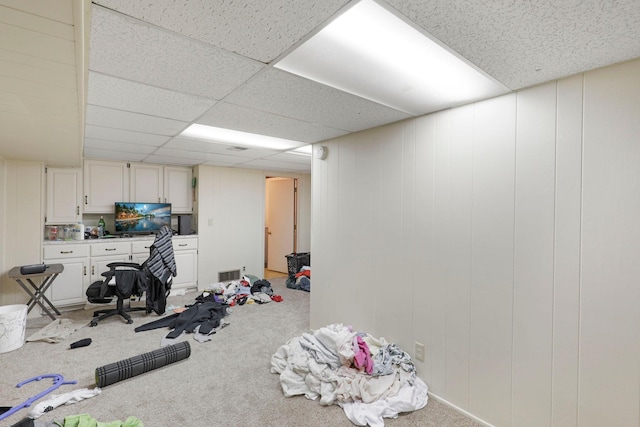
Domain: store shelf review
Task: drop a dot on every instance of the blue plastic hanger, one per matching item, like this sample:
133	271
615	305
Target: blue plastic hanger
58	380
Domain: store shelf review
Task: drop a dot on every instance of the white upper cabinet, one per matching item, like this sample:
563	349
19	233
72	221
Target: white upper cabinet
178	188
146	183
108	182
104	184
64	195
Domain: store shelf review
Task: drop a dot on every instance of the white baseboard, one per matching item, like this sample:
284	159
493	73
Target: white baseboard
451	405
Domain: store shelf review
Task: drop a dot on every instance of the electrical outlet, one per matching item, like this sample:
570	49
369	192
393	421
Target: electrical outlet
419	351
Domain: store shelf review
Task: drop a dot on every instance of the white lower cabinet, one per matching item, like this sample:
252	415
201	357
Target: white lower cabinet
84	264
186	255
103	254
70	286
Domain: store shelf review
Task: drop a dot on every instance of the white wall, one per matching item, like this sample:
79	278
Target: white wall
22	223
230	218
504	236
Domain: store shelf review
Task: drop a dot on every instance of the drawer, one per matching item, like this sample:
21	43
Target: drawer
65	251
184	244
143	246
112	248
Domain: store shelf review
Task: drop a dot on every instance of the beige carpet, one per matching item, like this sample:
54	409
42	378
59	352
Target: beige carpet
225	382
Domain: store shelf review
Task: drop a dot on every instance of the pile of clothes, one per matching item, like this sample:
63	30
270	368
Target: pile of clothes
301	280
206	316
247	290
368	377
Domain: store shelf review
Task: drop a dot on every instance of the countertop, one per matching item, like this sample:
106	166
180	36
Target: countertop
112	239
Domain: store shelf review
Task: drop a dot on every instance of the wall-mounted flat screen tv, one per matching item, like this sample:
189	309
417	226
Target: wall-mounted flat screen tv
141	218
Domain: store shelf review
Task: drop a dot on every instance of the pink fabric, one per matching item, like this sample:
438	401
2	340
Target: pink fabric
362	358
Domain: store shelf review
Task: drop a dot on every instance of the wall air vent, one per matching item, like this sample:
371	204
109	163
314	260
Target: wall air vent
236	148
225	276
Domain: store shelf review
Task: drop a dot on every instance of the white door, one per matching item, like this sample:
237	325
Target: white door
280	222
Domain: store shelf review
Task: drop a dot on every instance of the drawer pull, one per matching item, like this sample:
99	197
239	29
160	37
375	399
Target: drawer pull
182	244
109	249
66	252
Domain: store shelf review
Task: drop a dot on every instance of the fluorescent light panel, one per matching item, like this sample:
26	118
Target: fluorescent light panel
370	52
234	137
306	150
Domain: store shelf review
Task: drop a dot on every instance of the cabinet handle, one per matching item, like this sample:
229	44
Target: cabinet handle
182	244
147	247
77	210
159	199
85	200
109	249
84	270
66	252
93	270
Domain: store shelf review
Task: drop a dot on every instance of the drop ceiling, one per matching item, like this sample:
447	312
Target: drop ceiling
150	69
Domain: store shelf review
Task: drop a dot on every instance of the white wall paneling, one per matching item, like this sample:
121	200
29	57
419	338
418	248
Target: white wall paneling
533	255
441	231
610	293
566	301
422	256
502	235
458	249
492	260
24	195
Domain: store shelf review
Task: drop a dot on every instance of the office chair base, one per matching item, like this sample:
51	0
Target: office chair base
120	310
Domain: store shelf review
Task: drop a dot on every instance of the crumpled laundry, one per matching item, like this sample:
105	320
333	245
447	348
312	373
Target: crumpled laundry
56	400
321	365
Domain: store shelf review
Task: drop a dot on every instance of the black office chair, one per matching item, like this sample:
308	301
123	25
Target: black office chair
125	280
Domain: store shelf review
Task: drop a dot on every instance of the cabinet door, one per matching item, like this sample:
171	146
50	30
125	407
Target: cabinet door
177	189
70	286
99	265
186	264
145	183
64	196
104	184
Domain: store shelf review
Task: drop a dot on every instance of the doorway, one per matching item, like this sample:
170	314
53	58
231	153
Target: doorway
280	224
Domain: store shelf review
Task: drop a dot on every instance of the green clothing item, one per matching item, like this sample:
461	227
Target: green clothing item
85	420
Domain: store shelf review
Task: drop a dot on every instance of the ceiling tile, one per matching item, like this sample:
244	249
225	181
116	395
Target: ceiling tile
528	42
282	93
117	119
96	153
121	135
276	165
258	30
247	119
166	160
101	144
200	157
132	49
114	92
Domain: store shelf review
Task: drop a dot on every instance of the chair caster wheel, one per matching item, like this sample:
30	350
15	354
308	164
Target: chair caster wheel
129	321
93	323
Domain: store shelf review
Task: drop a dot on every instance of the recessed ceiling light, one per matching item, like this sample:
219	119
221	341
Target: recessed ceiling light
371	52
238	138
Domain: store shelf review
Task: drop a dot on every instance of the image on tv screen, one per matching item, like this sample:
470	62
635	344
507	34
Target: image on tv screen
141	217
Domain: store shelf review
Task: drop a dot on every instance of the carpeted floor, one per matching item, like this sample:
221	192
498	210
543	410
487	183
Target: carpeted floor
224	382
